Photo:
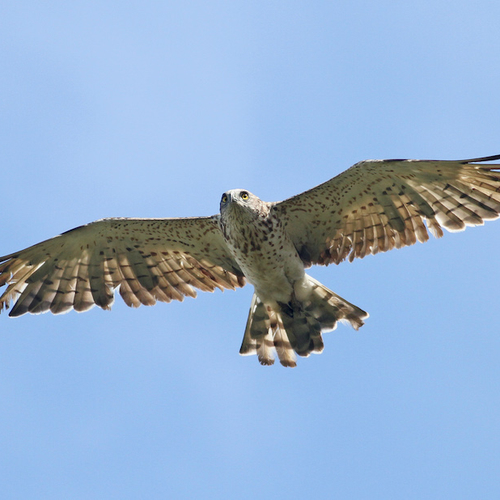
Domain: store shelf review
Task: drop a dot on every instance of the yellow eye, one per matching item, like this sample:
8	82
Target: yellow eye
224	198
244	195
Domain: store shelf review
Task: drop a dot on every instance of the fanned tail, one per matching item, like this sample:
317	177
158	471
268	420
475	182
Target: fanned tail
296	327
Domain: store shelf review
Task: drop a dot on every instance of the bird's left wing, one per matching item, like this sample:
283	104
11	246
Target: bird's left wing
148	259
377	205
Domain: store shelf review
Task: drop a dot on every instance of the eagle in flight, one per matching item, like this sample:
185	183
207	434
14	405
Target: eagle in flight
374	206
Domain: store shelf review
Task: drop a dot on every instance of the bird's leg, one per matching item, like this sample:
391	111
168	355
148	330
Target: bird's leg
291	306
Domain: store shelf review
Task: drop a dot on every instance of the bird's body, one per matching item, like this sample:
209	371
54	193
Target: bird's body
260	245
286	309
374	206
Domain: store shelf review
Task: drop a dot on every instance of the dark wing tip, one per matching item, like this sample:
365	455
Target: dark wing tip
469	160
483	159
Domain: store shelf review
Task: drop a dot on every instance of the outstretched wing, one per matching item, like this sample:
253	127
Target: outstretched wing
148	259
377	205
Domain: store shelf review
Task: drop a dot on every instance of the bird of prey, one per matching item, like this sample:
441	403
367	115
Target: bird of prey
374	206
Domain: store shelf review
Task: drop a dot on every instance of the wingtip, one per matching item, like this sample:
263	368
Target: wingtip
482	159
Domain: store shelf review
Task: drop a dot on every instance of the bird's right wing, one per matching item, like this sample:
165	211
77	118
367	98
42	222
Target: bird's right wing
148	259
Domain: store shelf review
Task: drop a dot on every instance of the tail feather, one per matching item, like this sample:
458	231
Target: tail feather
284	349
304	331
296	327
265	335
329	308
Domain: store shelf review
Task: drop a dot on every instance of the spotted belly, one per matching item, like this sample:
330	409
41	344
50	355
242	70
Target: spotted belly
274	270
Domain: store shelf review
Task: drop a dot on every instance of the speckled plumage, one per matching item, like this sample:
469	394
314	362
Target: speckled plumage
374	206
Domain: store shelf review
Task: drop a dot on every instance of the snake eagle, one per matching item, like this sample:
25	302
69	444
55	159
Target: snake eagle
374	206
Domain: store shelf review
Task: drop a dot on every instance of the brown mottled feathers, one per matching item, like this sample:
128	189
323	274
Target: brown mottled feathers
148	259
378	205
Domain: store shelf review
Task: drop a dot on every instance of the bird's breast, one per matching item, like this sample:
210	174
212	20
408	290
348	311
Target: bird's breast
266	255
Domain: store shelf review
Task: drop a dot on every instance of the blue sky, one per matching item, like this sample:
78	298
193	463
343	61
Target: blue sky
153	109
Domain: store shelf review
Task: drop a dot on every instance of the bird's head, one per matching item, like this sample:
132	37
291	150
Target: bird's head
240	201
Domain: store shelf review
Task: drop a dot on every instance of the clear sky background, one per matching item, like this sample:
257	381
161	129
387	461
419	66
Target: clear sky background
153	109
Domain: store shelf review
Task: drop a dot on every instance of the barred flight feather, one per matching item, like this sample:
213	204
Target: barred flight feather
384	204
83	267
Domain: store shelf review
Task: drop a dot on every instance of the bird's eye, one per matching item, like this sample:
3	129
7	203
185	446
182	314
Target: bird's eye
244	195
224	198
